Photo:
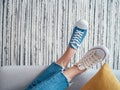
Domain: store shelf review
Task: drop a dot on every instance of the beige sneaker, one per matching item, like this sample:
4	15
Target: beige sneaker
93	56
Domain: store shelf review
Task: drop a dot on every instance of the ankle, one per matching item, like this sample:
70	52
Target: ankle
76	68
72	72
64	60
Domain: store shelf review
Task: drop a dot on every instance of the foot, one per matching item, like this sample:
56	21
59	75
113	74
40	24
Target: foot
92	57
79	32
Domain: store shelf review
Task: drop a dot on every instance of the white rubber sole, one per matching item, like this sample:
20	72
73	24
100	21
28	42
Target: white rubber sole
82	24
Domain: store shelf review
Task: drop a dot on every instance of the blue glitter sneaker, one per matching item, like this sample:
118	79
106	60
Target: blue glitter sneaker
79	32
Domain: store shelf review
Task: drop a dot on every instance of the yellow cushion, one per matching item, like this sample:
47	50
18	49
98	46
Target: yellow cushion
103	80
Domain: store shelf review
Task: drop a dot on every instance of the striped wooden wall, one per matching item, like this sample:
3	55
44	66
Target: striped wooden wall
37	32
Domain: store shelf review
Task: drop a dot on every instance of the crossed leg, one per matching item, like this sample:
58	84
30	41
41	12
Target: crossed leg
60	79
77	37
54	78
54	74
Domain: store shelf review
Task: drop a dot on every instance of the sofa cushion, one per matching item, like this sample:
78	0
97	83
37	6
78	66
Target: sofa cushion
18	77
79	81
103	80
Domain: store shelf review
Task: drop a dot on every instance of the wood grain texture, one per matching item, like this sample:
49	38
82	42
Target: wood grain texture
37	32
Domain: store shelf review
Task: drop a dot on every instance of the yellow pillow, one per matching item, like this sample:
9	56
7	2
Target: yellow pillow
103	80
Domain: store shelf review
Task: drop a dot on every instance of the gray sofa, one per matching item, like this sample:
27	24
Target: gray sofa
18	77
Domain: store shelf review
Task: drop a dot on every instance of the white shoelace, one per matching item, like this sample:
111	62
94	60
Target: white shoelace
77	35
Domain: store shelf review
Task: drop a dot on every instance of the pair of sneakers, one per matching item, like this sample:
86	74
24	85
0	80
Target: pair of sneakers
94	55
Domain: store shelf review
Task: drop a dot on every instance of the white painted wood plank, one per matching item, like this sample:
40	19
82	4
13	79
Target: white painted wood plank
37	32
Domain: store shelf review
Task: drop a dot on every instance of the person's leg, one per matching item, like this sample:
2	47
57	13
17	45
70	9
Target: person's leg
48	72
72	72
57	82
79	33
60	81
64	60
54	68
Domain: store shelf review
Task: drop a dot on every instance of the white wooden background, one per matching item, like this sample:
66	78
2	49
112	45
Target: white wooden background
37	32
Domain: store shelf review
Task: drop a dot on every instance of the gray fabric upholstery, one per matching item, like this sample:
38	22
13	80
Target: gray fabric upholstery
18	77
